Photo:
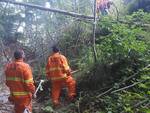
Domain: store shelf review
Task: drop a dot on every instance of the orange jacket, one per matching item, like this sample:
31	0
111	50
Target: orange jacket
102	3
57	67
19	79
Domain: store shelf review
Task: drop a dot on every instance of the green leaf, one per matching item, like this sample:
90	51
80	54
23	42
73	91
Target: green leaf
148	92
143	86
48	109
146	77
128	109
109	111
147	111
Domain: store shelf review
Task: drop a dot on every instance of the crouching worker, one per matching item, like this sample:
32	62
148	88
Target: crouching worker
20	82
59	73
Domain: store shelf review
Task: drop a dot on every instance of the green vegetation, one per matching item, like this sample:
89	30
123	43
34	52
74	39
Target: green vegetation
123	51
119	82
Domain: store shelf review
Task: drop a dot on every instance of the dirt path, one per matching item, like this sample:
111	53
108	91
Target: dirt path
5	105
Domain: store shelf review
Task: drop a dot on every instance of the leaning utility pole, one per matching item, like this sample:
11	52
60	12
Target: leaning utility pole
73	14
94	29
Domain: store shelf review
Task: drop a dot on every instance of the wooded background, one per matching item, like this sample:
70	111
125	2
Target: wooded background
118	82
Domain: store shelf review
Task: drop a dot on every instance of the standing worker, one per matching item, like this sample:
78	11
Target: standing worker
20	82
59	73
103	6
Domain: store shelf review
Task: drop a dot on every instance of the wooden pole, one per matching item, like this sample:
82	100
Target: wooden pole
94	29
48	9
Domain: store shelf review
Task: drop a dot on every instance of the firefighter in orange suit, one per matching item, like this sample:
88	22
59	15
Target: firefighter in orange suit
59	73
20	82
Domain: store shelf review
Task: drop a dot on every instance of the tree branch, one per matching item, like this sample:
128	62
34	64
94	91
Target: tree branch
109	90
127	86
130	77
140	103
104	92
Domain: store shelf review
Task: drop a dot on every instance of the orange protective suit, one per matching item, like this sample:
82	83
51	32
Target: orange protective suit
20	82
58	71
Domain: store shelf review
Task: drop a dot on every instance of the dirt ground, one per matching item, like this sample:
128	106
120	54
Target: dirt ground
5	105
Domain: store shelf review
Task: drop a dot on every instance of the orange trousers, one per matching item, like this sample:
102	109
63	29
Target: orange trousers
21	104
70	83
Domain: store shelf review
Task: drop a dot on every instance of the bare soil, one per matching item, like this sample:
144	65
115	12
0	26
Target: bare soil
5	105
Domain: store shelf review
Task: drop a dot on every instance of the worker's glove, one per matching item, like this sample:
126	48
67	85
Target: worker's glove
68	72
